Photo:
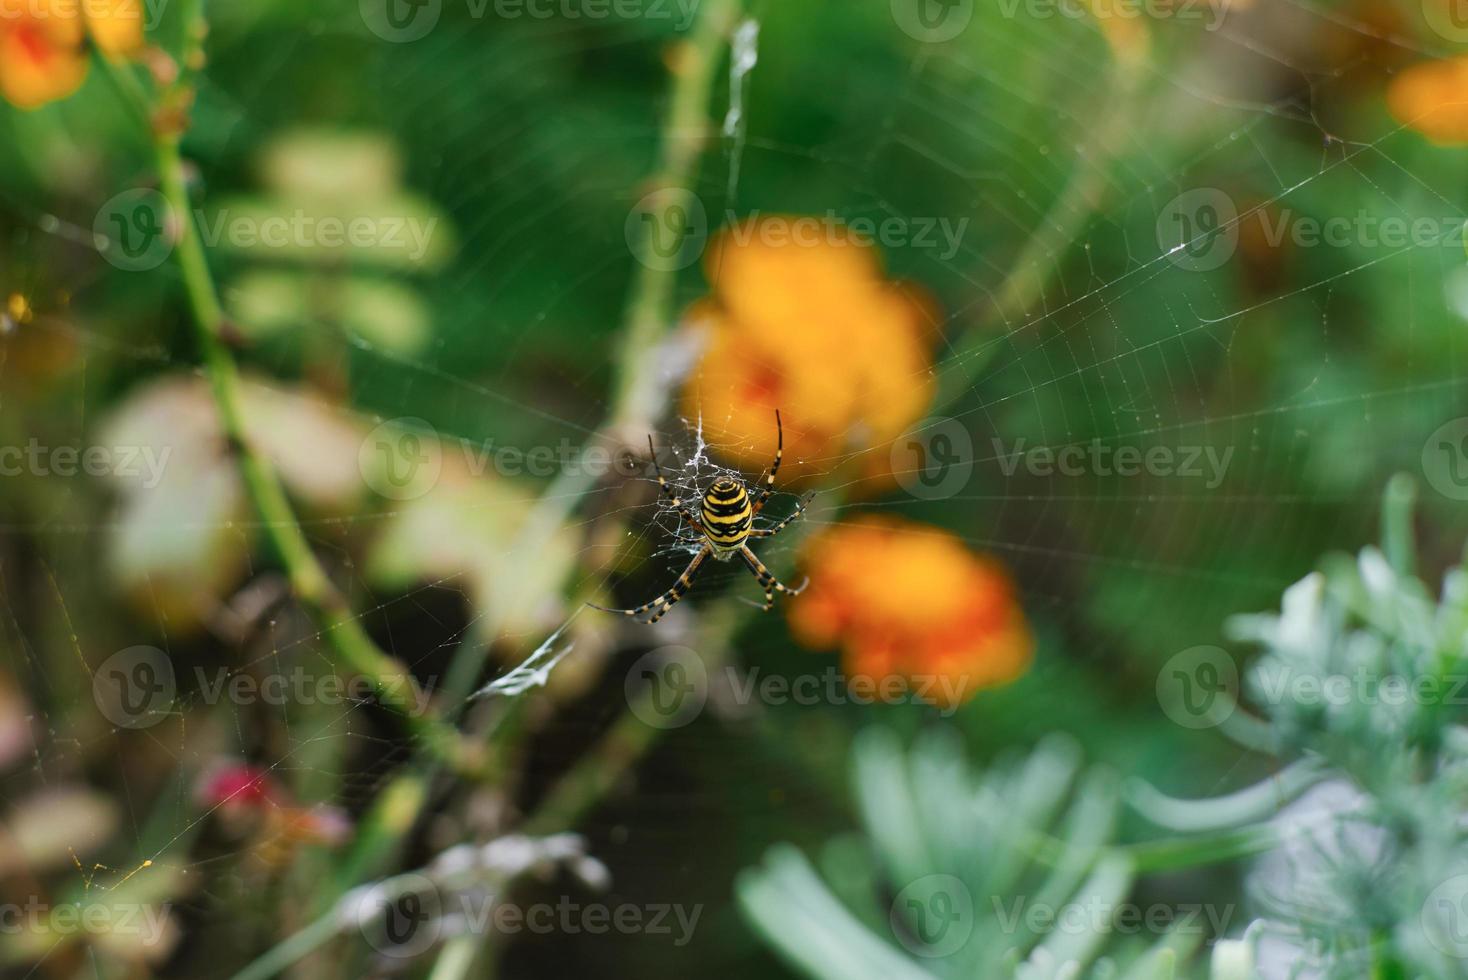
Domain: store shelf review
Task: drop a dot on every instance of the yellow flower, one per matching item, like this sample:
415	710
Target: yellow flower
1432	98
808	325
43	44
909	600
116	26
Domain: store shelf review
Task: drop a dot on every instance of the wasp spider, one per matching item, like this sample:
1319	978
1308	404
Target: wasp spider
725	524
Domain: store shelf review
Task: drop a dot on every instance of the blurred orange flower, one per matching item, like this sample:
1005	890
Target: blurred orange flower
43	44
911	600
1432	98
807	324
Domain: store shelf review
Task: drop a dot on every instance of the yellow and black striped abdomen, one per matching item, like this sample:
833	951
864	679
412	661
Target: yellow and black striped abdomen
727	515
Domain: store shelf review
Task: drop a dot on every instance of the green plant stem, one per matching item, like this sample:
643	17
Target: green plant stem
1178	853
458	959
649	315
294	948
390	678
1397	536
638	403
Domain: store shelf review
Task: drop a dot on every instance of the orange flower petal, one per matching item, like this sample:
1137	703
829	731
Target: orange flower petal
802	320
38	64
116	26
913	601
1432	98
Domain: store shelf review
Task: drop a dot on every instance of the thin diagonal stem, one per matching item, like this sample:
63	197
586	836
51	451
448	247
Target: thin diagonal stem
390	678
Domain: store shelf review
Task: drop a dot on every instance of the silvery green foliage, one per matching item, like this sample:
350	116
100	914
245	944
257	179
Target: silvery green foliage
952	865
1362	666
1363	671
1361	680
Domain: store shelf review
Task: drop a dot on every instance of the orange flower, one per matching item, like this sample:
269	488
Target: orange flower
910	600
43	44
801	319
1432	98
116	26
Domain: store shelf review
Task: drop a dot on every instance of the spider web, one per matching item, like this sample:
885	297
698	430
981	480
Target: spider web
1321	368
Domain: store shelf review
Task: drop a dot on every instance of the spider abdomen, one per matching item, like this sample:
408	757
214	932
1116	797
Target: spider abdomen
728	516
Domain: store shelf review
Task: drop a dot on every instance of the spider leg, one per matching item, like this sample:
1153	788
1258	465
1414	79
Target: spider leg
767	579
770	532
660	606
665	491
766	485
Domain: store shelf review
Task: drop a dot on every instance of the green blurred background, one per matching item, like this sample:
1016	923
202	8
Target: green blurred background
1321	369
